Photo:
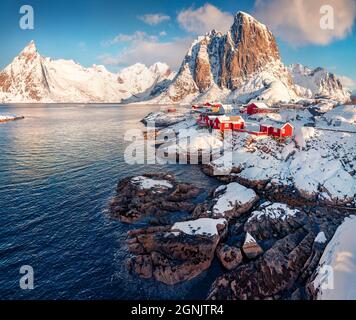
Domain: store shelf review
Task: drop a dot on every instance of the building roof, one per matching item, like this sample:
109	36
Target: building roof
278	125
260	105
234	119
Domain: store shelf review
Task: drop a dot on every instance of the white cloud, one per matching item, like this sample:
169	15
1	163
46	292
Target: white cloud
347	82
298	21
163	33
154	19
136	36
149	51
204	19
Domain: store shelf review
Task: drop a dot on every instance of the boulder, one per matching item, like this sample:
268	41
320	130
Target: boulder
175	253
151	195
274	221
229	256
251	248
271	275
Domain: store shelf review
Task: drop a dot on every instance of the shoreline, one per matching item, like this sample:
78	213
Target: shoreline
282	229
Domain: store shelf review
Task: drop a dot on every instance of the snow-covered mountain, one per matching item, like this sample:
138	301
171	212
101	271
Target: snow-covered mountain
318	83
33	78
240	65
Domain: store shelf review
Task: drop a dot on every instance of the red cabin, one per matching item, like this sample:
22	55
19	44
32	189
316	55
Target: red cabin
258	107
277	130
228	123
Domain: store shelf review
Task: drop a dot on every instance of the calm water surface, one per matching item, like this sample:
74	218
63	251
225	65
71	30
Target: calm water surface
58	170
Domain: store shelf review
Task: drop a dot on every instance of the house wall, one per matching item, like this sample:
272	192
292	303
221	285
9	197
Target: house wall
288	131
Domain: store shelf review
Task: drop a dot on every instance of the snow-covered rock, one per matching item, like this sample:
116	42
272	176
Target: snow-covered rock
336	275
148	183
251	248
275	211
321	238
233	199
202	226
10	117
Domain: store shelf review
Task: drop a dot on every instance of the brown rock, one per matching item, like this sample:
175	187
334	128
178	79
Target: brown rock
230	257
270	275
171	257
132	202
251	249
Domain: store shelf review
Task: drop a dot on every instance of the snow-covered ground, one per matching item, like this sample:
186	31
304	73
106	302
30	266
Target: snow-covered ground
341	118
336	274
318	163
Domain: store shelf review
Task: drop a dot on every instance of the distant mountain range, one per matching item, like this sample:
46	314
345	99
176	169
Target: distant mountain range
238	66
33	78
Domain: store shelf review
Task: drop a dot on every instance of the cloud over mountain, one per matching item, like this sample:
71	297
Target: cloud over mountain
204	19
298	21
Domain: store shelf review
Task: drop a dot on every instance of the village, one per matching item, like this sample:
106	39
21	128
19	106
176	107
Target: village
223	118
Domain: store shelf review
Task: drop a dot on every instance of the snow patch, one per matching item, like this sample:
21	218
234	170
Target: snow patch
275	211
234	195
336	274
202	226
148	183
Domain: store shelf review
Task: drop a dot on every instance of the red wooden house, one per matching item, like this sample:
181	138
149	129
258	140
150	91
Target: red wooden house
258	107
277	130
228	123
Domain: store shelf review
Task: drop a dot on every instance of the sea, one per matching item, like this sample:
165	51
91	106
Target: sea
59	168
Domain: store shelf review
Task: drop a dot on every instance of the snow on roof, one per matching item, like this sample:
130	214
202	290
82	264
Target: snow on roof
275	211
336	274
278	125
148	183
260	105
202	226
234	194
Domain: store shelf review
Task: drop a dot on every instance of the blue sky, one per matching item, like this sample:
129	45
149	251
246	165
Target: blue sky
116	34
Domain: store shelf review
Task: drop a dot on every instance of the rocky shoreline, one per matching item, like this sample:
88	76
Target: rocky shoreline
10	118
268	246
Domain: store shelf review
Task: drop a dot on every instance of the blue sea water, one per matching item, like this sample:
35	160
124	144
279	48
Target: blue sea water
59	168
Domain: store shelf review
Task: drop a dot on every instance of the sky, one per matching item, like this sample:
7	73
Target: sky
119	34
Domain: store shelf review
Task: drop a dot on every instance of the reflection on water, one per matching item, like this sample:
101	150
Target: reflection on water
58	170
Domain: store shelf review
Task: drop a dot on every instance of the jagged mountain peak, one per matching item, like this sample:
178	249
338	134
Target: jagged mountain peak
243	64
29	50
224	62
31	47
